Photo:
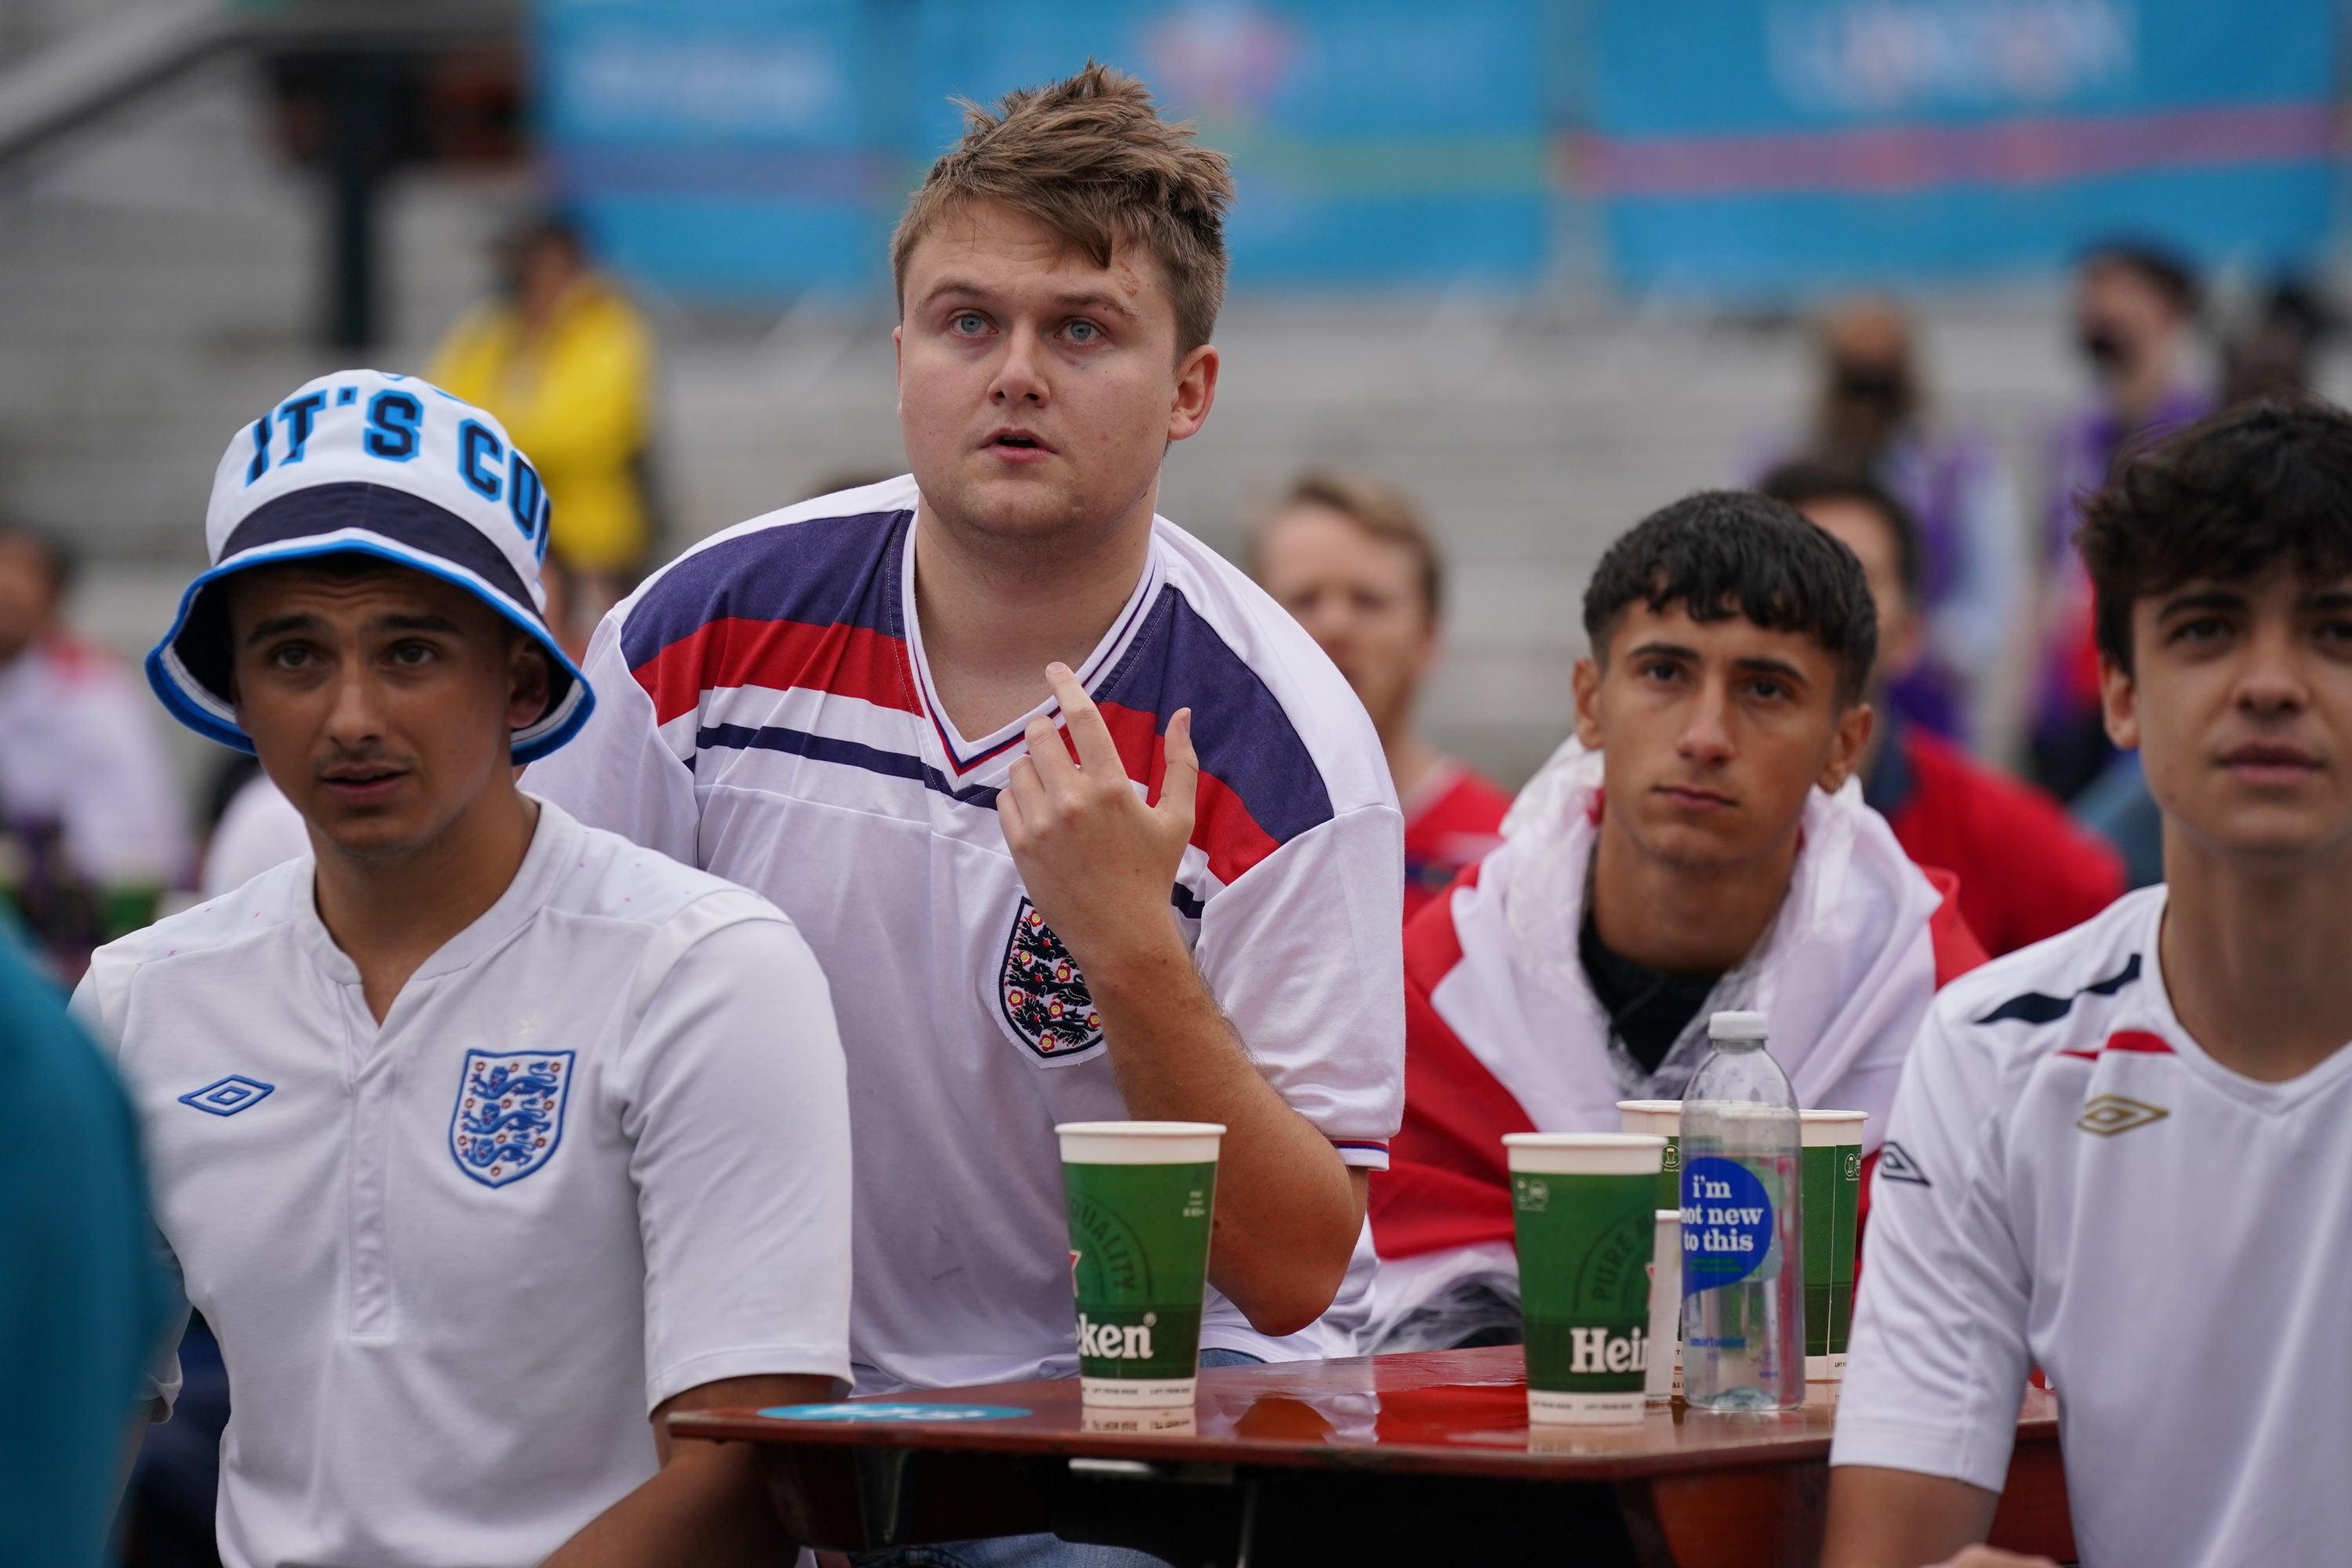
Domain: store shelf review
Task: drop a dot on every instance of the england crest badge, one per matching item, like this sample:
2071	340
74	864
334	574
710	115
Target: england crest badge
509	1113
1043	996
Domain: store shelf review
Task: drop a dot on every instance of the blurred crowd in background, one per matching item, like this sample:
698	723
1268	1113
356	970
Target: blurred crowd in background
1448	322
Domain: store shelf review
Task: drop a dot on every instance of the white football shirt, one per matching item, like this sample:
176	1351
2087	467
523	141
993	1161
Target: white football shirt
2069	1181
595	1156
765	711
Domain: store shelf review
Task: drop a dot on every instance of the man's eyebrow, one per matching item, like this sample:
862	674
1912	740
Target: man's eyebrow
424	623
279	626
1664	650
1093	300
2329	600
1763	665
2208	598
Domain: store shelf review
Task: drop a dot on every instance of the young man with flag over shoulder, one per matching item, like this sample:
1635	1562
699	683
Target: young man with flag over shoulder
1081	822
1699	845
482	1139
2123	1149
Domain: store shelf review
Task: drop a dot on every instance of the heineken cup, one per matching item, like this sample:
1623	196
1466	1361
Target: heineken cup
1584	1204
1664	1119
1141	1195
1830	1208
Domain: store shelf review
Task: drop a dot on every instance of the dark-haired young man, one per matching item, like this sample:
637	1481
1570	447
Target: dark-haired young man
2123	1151
482	1140
2026	871
1700	843
1082	825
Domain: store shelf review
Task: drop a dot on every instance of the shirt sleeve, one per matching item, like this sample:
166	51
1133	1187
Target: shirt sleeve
735	1099
1938	1359
621	773
1304	955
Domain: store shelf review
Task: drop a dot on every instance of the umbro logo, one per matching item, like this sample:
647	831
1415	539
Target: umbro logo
1896	1164
229	1096
2112	1113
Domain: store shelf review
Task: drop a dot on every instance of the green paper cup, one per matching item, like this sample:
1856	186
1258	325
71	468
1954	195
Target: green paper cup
1663	1117
1141	1195
1829	1209
1585	1206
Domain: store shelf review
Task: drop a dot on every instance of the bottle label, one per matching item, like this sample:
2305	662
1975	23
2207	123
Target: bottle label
1727	1223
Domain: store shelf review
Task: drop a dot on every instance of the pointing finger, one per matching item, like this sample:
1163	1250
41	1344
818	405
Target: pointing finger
1180	784
1097	753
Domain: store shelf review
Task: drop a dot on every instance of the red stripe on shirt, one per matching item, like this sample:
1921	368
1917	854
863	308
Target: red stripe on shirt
842	660
2138	1041
1223	827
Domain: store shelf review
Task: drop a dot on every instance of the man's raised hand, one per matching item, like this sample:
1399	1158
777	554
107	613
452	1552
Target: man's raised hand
1097	862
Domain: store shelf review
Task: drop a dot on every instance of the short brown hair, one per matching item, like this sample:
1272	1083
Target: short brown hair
1090	158
1378	511
2235	496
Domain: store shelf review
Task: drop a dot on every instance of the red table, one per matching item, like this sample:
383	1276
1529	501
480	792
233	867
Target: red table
1422	1458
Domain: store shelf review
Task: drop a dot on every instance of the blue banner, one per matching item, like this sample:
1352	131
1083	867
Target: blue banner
1766	146
755	148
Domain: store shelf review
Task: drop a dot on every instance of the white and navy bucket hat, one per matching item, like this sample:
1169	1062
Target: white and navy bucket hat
359	462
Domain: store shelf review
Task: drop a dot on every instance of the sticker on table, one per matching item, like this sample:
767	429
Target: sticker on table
896	1411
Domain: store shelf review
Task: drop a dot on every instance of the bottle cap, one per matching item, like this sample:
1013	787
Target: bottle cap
1734	1026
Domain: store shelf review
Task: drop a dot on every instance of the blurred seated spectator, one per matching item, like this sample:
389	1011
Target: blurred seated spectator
1353	561
2276	354
90	824
566	362
2026	872
1871	418
1698	844
2135	317
83	1304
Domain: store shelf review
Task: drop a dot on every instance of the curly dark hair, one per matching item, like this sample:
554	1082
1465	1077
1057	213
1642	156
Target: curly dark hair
1721	553
2229	499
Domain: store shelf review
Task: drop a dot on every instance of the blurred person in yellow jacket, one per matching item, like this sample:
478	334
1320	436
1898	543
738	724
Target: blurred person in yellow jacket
565	361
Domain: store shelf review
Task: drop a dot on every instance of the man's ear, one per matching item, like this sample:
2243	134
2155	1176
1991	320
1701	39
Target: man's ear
2118	704
1196	390
1846	744
1587	680
531	683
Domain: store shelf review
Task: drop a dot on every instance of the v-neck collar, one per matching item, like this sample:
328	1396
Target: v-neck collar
964	756
554	841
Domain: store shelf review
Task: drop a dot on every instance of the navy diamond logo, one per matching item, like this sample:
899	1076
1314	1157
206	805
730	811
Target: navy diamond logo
230	1095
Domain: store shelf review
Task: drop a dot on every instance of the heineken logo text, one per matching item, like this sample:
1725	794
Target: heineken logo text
1110	1342
1598	1350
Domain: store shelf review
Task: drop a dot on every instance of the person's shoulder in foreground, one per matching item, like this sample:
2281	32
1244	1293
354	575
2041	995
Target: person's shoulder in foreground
532	1057
916	716
82	1304
2146	1109
1700	844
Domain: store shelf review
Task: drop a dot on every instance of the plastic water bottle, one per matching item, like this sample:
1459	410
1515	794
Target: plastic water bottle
1743	1273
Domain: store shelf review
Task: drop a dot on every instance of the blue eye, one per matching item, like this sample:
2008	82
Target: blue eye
1083	331
969	321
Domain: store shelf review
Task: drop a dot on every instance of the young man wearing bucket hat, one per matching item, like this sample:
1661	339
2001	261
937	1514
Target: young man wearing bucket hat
476	1135
1699	845
1082	823
2123	1151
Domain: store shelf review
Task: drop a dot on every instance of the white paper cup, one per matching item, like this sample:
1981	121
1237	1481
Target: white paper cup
1582	1207
1665	1310
1140	1196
